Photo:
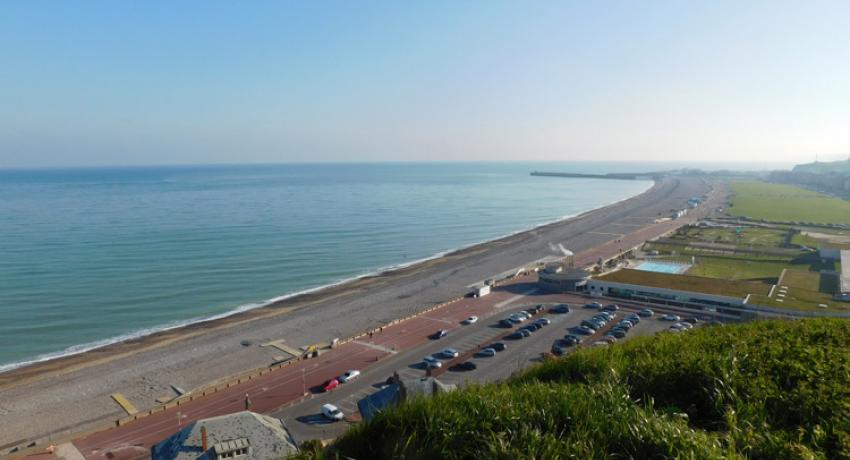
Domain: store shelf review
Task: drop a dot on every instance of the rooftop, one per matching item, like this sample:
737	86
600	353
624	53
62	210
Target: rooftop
713	286
266	437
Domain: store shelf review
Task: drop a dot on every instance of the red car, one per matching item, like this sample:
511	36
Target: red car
330	385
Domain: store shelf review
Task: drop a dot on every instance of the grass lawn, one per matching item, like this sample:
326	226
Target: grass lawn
747	237
822	239
777	202
730	288
736	269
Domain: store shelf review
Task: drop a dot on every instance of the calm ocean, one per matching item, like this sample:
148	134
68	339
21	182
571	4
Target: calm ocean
90	256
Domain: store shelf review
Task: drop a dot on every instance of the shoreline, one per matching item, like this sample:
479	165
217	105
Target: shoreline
14	374
64	397
138	336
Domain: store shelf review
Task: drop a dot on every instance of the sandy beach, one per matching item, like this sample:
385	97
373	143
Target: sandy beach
56	398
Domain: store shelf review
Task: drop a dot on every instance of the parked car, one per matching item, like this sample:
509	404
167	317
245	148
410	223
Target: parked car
450	353
506	323
543	321
558	349
330	385
465	366
498	346
487	353
471	320
618	333
596	305
600	343
440	334
331	412
560	308
584	330
691	320
349	376
609	338
671	317
611	307
646	312
572	339
608	314
679	326
633	318
687	325
591	324
432	362
525	332
515	336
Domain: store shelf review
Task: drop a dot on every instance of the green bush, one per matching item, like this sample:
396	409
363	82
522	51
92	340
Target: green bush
764	390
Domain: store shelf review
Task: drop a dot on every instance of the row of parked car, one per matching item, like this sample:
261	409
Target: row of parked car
589	327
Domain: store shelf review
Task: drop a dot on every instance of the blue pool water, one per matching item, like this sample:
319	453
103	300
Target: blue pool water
662	267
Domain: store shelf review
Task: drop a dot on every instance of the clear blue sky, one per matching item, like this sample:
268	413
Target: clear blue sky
113	82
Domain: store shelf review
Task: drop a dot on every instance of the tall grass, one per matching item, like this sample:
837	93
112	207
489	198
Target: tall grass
772	389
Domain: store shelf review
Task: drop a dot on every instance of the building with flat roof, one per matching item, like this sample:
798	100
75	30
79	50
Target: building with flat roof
680	290
844	277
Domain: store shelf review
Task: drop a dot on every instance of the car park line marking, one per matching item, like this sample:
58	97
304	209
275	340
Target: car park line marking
513	299
376	347
439	320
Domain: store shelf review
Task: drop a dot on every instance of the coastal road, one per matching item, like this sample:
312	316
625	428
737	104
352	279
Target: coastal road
56	399
399	348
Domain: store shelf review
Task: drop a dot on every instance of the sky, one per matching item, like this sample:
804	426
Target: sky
128	83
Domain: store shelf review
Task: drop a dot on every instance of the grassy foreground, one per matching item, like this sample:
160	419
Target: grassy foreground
763	390
786	203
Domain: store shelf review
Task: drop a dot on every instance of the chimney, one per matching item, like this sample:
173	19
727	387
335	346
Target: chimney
204	444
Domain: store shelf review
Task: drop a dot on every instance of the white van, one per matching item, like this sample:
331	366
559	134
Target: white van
332	412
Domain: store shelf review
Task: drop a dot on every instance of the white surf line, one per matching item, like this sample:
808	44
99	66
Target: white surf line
513	299
376	347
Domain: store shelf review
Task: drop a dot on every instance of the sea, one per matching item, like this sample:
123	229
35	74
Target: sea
92	256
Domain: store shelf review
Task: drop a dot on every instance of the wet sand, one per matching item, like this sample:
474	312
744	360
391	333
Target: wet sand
55	398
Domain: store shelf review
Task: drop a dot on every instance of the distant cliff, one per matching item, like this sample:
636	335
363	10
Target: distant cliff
819	167
832	176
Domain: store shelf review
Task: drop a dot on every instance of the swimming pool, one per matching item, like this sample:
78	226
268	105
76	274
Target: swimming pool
662	267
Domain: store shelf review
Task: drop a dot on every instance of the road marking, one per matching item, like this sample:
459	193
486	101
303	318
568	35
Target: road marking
376	347
438	319
609	234
124	403
513	299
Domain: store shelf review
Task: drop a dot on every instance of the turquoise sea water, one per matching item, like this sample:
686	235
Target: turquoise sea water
90	256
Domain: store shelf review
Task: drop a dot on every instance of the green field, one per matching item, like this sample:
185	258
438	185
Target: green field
786	203
736	269
762	390
731	288
760	237
806	290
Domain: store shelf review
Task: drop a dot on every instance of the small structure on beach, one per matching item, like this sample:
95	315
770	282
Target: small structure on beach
243	435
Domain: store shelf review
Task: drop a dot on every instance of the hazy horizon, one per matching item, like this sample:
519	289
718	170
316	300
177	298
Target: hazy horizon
112	84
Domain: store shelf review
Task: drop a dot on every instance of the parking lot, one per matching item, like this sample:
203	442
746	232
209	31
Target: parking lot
305	421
